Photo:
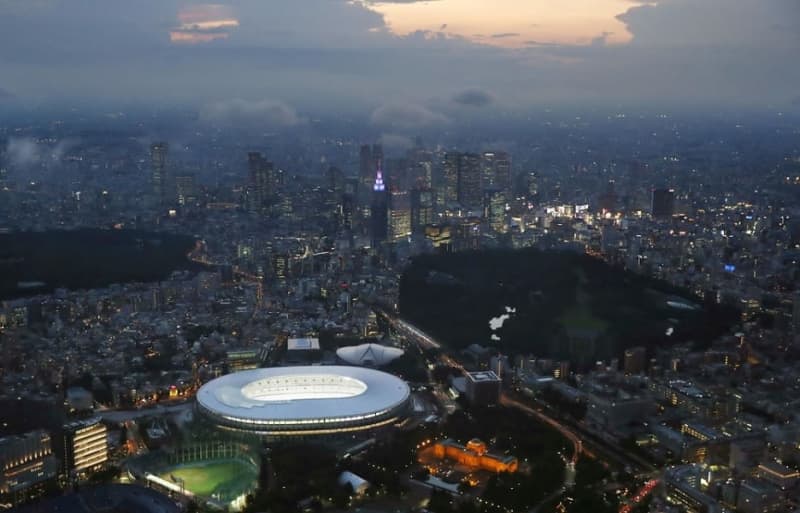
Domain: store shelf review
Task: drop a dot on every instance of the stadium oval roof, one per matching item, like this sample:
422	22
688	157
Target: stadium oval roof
304	399
369	354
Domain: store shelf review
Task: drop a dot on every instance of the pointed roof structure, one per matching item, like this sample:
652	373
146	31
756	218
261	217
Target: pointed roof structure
371	355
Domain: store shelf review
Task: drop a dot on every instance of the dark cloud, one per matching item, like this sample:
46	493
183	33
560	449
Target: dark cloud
602	39
502	35
337	54
6	95
473	98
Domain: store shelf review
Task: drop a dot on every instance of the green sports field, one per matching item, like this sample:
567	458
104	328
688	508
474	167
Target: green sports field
224	479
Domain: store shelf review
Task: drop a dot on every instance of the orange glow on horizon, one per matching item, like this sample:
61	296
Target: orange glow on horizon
189	37
513	23
203	23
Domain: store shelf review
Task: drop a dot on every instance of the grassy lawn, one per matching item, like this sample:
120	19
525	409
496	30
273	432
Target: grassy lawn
205	478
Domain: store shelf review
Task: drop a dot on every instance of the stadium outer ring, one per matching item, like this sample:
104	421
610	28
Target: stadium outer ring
306	400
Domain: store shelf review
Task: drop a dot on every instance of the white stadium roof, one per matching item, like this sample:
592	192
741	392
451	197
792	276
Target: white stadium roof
369	354
303	398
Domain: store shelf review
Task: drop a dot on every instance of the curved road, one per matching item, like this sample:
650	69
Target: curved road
567	433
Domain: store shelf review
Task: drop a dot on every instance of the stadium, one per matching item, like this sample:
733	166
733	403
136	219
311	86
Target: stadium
302	401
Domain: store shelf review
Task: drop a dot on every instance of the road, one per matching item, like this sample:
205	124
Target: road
159	409
643	492
578	448
428	342
579	435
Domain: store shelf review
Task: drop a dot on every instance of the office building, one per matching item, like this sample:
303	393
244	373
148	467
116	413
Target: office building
185	189
27	462
607	202
635	360
85	447
483	388
421	209
399	215
756	496
494	209
496	171
469	181
449	183
663	203
159	153
778	474
262	182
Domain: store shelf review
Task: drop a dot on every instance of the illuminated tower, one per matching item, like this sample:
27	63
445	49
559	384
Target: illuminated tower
379	210
370	159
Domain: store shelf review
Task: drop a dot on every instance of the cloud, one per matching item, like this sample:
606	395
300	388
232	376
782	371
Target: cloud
502	35
203	23
396	143
602	39
711	23
337	56
396	1
26	152
22	152
6	94
262	113
406	116
473	98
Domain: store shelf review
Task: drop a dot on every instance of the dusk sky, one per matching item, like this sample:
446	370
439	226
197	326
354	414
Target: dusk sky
412	61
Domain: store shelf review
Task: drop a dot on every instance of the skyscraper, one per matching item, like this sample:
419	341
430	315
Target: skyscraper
421	209
450	178
370	159
262	181
496	171
159	153
399	215
608	200
494	208
663	203
379	210
185	189
366	169
469	181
